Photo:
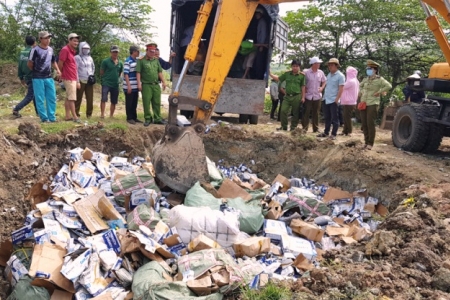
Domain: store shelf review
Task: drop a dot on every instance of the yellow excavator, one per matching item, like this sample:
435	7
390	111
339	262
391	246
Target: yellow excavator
421	127
179	157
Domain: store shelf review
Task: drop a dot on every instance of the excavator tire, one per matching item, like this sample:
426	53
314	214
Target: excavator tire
254	119
409	130
435	133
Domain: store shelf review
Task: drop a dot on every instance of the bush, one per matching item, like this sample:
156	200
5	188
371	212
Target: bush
269	292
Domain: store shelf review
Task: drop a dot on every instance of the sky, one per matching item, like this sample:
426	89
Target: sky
160	18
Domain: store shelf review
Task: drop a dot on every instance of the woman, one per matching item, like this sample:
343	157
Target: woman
371	88
86	68
349	98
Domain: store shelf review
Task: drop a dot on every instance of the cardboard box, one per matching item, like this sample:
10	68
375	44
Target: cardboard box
284	181
47	262
202	242
275	210
61	295
302	263
202	286
336	194
333	231
229	189
309	231
252	246
93	208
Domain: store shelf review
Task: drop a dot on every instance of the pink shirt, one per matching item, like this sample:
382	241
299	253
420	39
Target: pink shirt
313	82
69	70
351	88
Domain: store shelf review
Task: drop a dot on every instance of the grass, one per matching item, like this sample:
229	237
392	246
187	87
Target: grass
270	292
10	124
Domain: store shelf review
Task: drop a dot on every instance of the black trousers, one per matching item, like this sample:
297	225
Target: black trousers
131	102
274	107
331	118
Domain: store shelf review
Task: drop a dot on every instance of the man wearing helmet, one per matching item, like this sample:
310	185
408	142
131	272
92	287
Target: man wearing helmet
410	94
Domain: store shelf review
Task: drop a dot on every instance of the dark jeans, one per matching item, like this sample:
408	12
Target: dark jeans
331	118
280	97
131	102
348	111
28	98
274	107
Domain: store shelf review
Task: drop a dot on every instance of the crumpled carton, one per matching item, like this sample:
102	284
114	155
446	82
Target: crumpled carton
94	208
202	242
252	247
309	231
46	264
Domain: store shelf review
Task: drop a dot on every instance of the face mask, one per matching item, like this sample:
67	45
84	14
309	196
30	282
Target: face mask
86	51
369	72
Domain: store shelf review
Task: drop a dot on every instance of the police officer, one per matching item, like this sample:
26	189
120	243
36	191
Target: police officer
295	93
370	90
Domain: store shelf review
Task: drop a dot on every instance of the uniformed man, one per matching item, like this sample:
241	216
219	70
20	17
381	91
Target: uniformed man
149	73
370	90
295	93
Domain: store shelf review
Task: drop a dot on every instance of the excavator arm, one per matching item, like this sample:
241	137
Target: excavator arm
179	157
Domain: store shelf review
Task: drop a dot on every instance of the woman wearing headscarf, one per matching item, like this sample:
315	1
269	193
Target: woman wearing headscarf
86	68
371	89
349	98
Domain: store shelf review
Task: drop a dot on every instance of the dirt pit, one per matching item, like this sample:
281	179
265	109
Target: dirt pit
408	257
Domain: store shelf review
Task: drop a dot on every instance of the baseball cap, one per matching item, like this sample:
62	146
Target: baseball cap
72	36
315	60
114	48
43	34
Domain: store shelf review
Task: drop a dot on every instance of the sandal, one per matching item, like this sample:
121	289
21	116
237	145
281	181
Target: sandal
67	120
16	114
368	147
77	121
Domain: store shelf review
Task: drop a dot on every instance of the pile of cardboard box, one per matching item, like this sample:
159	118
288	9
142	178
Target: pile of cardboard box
99	224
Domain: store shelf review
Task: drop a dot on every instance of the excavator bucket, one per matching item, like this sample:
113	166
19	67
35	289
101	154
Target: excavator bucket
179	157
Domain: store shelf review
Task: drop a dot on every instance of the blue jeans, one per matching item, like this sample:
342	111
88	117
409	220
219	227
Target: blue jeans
28	98
45	95
331	118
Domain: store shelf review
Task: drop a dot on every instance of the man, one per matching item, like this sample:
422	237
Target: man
41	61
262	41
295	93
130	86
25	76
69	75
274	97
110	71
315	83
86	69
166	65
148	72
410	94
333	92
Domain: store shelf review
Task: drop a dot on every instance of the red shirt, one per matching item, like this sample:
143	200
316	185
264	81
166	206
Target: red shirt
69	70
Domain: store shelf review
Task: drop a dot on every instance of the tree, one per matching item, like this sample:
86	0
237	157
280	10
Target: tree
99	22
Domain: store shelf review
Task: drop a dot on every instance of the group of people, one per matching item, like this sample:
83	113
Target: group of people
311	88
77	73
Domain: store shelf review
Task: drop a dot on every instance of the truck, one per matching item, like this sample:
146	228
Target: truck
221	27
238	95
421	127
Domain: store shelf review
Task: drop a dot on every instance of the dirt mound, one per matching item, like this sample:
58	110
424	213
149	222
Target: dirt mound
408	258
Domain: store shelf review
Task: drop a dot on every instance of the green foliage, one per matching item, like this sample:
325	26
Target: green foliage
391	32
269	292
267	104
101	23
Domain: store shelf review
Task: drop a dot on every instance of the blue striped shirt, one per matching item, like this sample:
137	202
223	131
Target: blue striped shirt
129	68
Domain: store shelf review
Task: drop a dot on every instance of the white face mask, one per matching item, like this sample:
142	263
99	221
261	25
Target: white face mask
85	51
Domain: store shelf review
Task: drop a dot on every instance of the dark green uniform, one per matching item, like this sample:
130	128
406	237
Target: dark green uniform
151	91
294	83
